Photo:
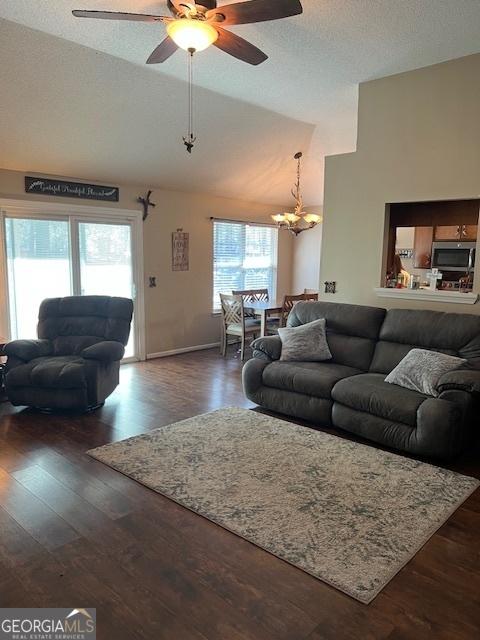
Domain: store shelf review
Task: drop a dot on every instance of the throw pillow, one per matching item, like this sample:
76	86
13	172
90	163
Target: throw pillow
307	343
421	370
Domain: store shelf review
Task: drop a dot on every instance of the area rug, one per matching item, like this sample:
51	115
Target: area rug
348	514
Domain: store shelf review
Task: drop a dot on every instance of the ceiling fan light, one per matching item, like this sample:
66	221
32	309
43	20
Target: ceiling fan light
279	218
192	34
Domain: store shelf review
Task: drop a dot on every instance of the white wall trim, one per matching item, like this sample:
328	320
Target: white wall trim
94	208
174	352
454	297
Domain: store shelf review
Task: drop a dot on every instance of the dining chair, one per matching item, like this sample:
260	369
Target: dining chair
252	295
235	323
259	295
290	301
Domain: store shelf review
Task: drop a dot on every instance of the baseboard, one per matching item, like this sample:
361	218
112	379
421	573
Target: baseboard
174	352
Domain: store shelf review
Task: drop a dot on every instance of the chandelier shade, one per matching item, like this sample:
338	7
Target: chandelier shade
312	218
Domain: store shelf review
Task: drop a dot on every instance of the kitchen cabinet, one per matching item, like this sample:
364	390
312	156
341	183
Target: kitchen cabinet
466	232
471	232
422	247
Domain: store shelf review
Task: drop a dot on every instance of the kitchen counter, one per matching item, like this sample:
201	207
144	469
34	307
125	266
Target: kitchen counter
455	297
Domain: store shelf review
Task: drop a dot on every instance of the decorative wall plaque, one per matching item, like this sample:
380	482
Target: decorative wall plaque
62	188
331	287
180	251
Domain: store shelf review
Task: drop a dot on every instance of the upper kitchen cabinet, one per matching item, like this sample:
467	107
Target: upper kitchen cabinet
422	247
466	232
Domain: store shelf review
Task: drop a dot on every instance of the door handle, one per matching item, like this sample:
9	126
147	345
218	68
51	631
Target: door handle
470	259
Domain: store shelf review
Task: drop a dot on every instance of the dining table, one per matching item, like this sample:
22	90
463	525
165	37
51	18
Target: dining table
262	310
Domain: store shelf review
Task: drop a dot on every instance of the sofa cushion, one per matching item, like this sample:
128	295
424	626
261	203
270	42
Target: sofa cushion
64	320
309	378
421	370
352	330
306	343
370	393
56	372
405	329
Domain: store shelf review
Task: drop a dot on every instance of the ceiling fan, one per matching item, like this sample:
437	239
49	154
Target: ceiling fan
195	26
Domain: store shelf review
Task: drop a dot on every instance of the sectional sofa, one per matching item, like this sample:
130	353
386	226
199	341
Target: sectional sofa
349	391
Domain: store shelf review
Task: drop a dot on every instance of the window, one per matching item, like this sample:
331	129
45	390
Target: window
244	257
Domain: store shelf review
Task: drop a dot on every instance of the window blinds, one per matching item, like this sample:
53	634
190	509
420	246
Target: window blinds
244	257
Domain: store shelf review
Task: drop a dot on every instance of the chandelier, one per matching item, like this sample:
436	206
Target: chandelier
299	220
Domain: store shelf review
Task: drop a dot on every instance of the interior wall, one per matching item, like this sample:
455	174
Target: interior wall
179	310
418	140
306	257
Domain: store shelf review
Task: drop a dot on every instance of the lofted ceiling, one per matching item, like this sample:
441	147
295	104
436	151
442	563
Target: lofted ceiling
251	120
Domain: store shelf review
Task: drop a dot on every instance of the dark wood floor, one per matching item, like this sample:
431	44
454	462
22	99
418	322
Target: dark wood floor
75	533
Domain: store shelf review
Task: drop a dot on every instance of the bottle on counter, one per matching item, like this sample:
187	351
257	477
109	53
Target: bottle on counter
414	282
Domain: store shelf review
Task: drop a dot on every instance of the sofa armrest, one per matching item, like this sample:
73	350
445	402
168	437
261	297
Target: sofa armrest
462	380
27	350
105	351
267	348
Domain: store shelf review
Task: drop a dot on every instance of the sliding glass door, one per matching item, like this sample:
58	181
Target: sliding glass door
38	267
53	257
105	252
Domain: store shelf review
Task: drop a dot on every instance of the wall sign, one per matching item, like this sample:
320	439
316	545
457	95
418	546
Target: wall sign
180	251
48	187
331	287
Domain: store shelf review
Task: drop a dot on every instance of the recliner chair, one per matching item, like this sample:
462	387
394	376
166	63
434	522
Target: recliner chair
75	363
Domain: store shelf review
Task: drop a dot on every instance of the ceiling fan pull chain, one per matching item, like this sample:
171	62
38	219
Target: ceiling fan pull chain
189	140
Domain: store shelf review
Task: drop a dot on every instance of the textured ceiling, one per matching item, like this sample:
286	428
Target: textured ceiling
76	112
316	62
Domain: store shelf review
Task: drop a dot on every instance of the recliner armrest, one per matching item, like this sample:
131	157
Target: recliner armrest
27	350
105	351
267	348
463	380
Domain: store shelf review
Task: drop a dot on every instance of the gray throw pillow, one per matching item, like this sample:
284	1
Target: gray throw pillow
421	370
307	343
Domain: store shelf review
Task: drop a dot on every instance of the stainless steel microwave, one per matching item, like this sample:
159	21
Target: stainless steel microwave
453	256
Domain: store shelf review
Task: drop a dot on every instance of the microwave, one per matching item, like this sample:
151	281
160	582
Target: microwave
453	256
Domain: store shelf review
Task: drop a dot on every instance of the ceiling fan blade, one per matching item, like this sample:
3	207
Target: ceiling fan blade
116	15
238	47
174	6
164	50
254	11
